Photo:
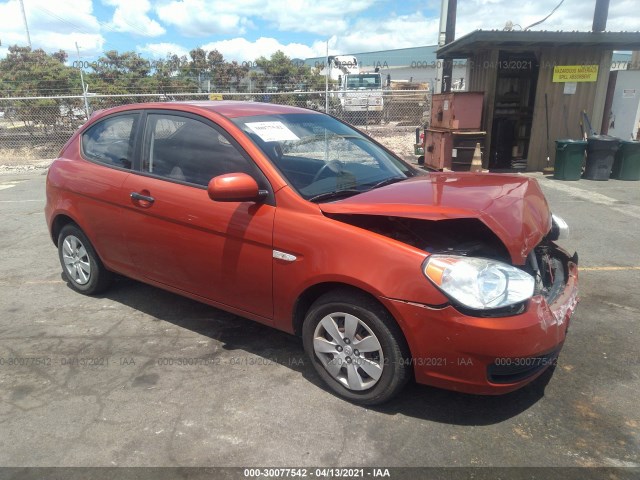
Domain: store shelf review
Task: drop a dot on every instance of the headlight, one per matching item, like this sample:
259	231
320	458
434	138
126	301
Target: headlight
559	229
479	283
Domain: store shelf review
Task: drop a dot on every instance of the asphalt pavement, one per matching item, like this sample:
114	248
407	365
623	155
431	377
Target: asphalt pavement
142	377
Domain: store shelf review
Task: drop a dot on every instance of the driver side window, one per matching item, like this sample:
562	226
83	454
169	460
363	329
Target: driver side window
187	150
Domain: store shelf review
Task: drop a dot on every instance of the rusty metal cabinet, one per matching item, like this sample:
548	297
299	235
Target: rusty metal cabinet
451	149
457	110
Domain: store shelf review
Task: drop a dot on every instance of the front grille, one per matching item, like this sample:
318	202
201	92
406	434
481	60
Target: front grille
508	311
512	370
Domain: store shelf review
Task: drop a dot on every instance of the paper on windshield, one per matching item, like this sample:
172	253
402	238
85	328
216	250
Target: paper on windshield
272	131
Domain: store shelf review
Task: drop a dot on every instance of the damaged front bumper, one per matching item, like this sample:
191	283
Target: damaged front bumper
488	355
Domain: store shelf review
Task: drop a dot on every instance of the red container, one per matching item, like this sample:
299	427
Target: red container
457	110
451	149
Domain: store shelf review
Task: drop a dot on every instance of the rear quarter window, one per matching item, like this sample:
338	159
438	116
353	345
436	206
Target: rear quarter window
111	141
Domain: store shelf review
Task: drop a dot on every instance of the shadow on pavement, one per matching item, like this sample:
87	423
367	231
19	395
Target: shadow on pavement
237	333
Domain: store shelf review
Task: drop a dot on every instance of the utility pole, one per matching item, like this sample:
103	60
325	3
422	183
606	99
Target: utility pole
26	25
84	87
326	81
600	15
441	43
450	35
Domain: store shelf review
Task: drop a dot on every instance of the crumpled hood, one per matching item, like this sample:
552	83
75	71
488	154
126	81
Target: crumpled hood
512	206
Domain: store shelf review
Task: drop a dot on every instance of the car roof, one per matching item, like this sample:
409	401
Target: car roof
227	108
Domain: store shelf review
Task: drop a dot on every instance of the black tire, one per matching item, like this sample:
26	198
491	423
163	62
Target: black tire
395	357
86	274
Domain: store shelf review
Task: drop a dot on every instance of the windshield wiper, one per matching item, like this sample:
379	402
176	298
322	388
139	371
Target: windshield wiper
335	194
388	181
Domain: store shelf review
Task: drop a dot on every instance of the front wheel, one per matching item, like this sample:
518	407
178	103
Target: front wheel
356	347
81	265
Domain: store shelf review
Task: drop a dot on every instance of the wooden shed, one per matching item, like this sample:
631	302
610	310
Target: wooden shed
534	83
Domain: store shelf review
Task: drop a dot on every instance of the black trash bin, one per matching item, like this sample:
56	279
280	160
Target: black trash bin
569	159
627	162
601	151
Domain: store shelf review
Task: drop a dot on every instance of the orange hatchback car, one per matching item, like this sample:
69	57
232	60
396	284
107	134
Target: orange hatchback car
296	220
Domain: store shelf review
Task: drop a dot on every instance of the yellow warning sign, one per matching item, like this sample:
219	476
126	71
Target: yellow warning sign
575	73
218	96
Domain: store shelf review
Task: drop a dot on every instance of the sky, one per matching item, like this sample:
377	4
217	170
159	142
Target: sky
244	30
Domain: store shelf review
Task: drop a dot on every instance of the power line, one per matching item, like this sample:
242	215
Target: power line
540	21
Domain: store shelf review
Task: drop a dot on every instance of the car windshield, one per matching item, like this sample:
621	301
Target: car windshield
363	81
322	158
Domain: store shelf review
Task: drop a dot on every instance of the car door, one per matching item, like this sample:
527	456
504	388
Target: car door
178	236
109	146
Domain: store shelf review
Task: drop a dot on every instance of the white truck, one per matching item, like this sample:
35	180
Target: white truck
359	94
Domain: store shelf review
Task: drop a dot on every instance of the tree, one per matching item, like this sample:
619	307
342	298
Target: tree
121	73
225	75
25	73
129	73
170	74
212	72
280	72
283	74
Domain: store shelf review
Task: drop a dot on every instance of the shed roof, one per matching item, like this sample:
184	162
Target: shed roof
469	44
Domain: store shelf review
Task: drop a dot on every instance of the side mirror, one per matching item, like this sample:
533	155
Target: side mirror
235	187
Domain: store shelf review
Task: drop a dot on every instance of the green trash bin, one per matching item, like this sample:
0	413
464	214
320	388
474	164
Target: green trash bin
569	159
626	165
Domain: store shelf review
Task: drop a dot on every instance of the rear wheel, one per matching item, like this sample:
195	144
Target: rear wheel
81	266
356	347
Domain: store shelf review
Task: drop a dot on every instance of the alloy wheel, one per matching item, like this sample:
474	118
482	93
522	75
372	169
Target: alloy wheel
349	350
76	260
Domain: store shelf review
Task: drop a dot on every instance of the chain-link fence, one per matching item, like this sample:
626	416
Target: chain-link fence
33	128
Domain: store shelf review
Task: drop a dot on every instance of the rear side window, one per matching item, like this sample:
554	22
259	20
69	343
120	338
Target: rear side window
188	150
111	141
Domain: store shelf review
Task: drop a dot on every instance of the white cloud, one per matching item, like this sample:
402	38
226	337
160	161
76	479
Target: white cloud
52	27
199	18
353	25
161	50
11	25
242	50
324	17
402	31
395	32
132	16
238	49
88	44
571	15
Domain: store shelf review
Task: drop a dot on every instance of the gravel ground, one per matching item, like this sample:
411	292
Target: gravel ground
23	166
397	139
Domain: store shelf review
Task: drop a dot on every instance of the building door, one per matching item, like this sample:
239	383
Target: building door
513	109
